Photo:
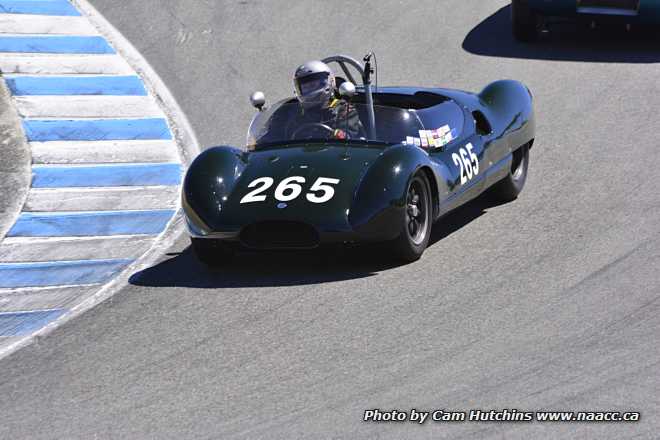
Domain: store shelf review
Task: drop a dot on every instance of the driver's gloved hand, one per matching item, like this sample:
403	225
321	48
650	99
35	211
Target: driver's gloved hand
340	134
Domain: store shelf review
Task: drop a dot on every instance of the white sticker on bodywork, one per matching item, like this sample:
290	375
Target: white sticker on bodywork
424	139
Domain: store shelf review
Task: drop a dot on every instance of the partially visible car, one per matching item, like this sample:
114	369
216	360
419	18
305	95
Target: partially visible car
528	16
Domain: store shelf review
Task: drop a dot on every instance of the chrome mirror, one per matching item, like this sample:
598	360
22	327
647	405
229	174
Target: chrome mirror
258	99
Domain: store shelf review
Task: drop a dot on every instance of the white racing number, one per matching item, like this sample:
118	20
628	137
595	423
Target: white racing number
288	189
468	162
322	185
291	188
263	183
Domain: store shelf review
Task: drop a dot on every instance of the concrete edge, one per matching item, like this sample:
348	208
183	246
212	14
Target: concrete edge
16	164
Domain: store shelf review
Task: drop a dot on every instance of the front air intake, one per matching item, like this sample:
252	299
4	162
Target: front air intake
279	235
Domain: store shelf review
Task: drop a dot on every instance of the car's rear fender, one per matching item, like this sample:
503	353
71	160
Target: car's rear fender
509	108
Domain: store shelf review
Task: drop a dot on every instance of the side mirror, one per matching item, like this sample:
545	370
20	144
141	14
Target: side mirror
347	90
258	99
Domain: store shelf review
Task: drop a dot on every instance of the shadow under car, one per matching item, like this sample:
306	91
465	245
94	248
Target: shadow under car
293	268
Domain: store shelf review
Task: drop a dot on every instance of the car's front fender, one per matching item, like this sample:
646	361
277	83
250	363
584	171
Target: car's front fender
381	195
209	181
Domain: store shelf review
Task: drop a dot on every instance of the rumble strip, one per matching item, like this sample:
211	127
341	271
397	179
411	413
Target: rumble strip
106	163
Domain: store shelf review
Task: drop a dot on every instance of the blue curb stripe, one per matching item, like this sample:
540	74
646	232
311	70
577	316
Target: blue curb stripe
59	273
49	176
96	129
96	223
144	222
41	7
56	44
76	85
24	323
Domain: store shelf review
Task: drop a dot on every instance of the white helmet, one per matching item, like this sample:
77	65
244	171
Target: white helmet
314	84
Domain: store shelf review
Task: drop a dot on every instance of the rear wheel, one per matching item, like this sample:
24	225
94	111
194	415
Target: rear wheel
416	219
508	188
524	21
211	252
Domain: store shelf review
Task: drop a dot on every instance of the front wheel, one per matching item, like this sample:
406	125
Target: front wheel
508	188
524	21
211	252
416	219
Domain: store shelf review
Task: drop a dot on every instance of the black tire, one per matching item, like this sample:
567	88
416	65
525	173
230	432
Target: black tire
508	188
524	21
416	221
211	252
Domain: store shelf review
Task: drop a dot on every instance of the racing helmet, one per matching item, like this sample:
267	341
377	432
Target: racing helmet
314	84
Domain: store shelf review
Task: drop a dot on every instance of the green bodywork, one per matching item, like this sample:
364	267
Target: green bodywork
369	201
373	175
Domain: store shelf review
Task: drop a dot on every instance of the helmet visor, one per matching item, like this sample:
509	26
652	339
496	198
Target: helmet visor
311	84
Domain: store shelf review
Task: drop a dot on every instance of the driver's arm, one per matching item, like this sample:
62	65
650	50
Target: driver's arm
349	120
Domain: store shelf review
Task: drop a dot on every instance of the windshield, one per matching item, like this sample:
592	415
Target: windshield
339	121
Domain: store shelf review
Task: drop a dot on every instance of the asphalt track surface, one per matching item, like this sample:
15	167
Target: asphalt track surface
549	302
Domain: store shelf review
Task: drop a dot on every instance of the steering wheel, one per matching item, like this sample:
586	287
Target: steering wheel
311	126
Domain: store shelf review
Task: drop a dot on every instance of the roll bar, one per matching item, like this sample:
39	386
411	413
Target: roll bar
365	74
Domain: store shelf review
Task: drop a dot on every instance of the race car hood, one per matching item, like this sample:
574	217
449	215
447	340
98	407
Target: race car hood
219	183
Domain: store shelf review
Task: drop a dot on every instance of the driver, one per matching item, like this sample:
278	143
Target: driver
316	90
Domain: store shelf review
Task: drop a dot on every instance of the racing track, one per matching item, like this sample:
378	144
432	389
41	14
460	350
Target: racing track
549	302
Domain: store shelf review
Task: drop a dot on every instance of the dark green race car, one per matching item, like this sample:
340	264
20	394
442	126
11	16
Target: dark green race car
529	15
414	155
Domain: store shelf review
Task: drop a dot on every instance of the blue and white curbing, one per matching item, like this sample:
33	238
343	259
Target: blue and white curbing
108	145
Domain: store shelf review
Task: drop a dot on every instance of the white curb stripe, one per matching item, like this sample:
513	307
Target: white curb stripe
28	249
110	273
87	107
57	64
45	289
40	24
52	298
98	213
102	199
103	152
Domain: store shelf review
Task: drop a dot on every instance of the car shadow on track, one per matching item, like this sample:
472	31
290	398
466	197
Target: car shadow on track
564	42
264	269
467	213
272	269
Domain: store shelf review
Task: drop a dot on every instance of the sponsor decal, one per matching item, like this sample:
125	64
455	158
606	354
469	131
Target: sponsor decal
424	139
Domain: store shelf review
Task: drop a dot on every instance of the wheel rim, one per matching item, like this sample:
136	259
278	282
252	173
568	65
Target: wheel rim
517	170
417	212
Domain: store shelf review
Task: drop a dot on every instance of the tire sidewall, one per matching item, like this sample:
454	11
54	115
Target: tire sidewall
509	187
406	247
519	183
520	12
523	20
